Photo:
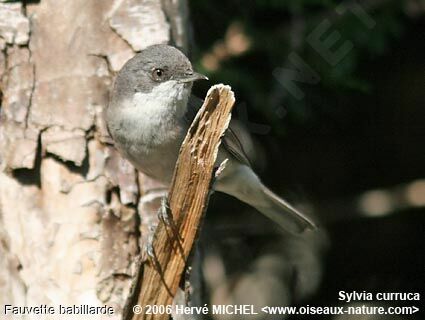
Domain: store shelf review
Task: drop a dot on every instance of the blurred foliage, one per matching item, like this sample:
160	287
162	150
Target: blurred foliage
269	25
360	128
356	125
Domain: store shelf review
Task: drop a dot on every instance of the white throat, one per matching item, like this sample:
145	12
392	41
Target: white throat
166	99
155	118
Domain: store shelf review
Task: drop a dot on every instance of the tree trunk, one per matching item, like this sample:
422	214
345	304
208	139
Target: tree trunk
71	223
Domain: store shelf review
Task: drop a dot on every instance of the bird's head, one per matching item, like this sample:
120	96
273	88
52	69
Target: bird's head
156	69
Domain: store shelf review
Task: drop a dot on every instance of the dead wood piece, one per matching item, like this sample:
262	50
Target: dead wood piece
188	198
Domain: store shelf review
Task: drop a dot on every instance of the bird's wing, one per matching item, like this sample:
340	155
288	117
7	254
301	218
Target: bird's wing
233	145
231	141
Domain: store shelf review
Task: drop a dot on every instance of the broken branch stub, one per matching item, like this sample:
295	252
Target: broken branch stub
188	198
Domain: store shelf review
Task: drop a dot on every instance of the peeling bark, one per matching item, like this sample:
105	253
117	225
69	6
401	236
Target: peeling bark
140	23
70	229
14	26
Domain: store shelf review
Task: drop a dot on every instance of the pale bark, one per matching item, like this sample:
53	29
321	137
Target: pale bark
69	204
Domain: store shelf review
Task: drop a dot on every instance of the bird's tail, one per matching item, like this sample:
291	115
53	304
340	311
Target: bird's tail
245	185
281	212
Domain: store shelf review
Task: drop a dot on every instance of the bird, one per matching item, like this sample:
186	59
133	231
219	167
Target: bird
148	116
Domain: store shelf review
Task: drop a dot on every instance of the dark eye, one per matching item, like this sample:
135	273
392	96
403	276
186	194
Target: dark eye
158	74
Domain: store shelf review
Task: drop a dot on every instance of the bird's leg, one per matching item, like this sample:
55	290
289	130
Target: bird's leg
150	251
165	215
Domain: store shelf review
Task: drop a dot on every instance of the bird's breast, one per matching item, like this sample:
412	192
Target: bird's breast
150	131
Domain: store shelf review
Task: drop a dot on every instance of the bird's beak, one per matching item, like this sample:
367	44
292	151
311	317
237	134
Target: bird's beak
191	77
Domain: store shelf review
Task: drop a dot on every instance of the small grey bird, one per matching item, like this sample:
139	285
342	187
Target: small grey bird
147	118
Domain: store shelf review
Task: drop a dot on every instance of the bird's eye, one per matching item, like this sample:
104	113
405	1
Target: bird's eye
157	74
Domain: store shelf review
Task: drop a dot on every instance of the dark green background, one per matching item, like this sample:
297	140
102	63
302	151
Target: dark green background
362	127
